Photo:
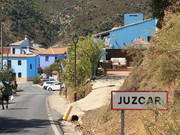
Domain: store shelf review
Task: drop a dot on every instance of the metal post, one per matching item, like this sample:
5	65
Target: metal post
156	115
7	59
1	46
122	122
75	41
75	94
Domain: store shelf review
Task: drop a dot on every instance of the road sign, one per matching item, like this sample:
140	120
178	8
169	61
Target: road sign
139	100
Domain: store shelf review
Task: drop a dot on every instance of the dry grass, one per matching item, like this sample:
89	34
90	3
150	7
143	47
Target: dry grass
104	121
81	91
95	122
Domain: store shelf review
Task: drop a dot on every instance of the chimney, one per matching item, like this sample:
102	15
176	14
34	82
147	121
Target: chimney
26	37
132	18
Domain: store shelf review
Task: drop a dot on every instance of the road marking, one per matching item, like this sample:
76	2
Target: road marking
56	132
49	104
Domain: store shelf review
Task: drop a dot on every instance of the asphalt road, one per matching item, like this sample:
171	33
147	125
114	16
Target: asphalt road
27	113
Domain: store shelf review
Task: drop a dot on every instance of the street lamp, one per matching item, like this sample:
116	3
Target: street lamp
75	41
1	45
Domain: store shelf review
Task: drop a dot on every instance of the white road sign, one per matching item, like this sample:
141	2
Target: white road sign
139	100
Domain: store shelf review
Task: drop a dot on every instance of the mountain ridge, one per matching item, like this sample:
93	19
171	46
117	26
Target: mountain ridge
54	22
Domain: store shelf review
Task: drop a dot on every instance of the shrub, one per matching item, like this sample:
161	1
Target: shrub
37	80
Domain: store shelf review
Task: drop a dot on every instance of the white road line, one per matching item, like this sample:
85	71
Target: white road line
56	132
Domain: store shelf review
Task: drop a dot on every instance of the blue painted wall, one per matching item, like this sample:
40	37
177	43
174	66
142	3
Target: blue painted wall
17	49
24	68
25	43
43	63
124	35
132	18
32	72
17	68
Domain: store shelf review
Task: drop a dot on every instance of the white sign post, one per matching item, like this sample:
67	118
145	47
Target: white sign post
138	100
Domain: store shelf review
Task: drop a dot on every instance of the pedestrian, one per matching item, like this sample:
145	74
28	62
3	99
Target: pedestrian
5	94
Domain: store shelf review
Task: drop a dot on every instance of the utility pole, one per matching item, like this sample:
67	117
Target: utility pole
7	59
1	46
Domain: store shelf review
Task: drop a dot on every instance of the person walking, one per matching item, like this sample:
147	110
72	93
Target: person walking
5	94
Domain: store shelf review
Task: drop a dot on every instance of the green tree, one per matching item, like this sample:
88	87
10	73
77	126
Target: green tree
51	68
91	50
6	74
88	53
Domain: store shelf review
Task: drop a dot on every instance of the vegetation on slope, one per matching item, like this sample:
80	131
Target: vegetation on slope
90	16
158	71
161	65
47	21
20	18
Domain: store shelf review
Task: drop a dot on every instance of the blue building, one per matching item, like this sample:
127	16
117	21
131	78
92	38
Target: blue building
22	60
49	56
134	27
25	62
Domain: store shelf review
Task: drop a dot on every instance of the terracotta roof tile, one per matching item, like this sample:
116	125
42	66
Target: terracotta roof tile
54	72
54	51
21	55
5	50
17	43
37	50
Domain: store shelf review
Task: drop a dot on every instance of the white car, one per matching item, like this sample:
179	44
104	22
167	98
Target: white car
47	83
54	86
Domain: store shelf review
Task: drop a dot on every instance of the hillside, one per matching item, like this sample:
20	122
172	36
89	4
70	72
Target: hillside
158	71
90	16
22	18
48	21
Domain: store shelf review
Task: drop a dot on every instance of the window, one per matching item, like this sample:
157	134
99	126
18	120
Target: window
13	50
9	63
46	58
19	62
19	75
30	66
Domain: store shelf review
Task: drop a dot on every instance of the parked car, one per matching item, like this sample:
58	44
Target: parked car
47	83
44	80
54	86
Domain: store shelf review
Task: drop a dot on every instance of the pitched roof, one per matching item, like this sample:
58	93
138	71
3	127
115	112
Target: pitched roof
17	43
116	28
37	50
54	51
